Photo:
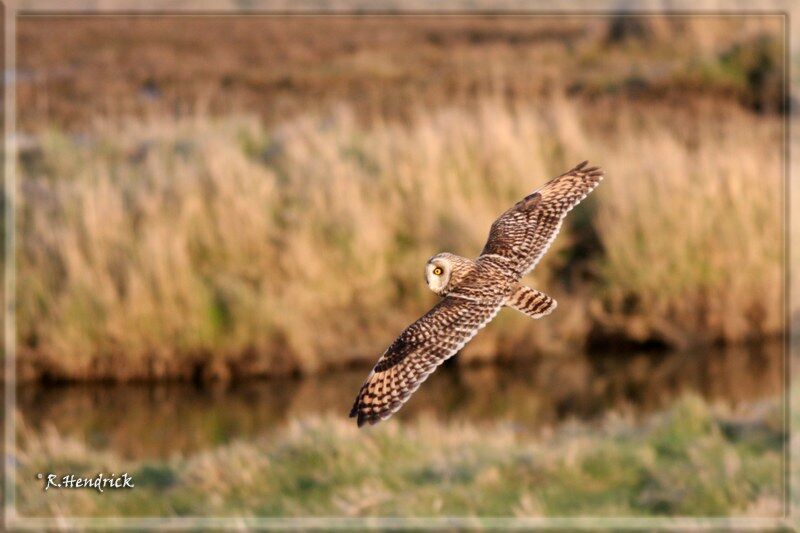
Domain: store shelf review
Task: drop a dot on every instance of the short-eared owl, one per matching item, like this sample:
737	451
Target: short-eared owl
473	292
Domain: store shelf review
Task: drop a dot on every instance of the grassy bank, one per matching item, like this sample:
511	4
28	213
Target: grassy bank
693	460
201	247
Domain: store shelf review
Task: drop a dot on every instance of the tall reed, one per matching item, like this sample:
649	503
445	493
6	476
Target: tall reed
201	247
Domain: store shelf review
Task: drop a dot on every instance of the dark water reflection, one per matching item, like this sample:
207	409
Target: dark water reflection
139	421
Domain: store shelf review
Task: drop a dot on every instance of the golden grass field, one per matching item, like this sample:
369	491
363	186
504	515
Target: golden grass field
215	245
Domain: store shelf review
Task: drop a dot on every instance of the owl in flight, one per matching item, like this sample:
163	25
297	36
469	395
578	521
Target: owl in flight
473	291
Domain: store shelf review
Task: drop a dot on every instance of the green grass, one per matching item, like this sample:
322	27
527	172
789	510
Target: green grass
692	460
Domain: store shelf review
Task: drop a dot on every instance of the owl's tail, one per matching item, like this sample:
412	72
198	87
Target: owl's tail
531	302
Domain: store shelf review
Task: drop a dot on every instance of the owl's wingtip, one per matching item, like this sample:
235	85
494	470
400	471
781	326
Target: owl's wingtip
583	168
363	418
358	414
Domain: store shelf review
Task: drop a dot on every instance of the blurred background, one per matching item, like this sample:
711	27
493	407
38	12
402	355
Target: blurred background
223	221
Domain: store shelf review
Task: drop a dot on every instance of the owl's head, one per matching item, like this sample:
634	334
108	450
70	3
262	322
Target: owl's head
438	272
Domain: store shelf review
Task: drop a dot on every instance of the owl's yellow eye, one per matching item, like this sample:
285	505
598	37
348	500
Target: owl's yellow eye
438	271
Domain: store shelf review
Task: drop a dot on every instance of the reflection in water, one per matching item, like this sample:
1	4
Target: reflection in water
140	421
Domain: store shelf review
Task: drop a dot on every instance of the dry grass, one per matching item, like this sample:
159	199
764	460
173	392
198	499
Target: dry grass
201	247
74	70
692	237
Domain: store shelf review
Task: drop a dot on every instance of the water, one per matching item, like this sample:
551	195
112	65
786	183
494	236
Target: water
156	421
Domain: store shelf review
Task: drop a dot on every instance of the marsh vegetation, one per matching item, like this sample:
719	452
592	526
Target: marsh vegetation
171	247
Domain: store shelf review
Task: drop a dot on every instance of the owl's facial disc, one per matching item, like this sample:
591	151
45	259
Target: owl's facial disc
437	274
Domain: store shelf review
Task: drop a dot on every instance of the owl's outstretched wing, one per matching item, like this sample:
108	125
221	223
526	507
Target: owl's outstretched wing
419	349
525	232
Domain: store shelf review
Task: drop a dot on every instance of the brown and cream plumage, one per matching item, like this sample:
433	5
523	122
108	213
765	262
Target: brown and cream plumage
473	292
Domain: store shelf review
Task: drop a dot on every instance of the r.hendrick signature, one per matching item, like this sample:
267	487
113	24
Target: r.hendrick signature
99	482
